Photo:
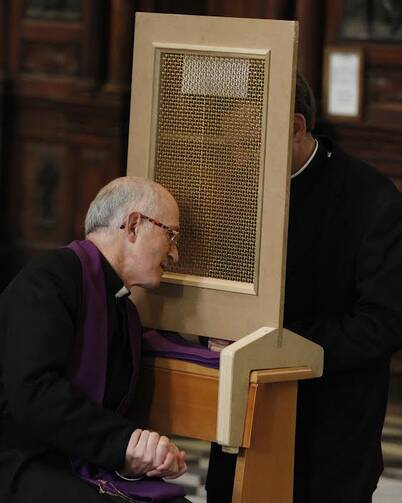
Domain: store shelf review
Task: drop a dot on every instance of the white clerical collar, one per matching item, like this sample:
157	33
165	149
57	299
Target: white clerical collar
122	292
307	162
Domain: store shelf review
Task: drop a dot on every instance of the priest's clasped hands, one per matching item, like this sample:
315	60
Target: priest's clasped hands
153	455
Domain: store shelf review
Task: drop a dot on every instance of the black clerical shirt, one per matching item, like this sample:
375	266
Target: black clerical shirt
119	366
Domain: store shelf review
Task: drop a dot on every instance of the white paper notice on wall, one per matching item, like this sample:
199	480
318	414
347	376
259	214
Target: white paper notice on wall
344	84
215	76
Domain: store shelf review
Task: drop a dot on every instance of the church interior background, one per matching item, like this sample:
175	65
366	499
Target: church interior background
65	70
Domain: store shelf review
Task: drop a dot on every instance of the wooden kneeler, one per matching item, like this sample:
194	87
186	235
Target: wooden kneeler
182	398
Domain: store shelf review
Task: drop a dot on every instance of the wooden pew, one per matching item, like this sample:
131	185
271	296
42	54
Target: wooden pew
181	398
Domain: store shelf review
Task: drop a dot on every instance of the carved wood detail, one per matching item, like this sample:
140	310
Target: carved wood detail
49	58
53	9
43	195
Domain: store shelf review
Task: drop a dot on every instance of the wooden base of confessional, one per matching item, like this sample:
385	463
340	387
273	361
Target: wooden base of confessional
181	398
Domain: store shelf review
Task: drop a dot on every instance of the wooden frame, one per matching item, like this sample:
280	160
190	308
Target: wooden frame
342	97
188	305
188	49
257	351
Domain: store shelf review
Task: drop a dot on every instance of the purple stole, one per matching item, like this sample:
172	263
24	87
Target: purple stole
89	375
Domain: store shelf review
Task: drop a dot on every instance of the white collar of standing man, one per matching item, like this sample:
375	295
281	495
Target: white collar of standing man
122	292
307	162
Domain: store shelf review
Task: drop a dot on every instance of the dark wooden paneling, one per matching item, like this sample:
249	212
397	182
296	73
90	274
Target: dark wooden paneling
310	13
53	160
44	193
121	35
5	274
66	136
68	103
94	44
100	165
269	9
50	58
377	136
3	39
380	147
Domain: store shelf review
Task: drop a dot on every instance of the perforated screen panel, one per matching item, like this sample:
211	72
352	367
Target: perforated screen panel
208	154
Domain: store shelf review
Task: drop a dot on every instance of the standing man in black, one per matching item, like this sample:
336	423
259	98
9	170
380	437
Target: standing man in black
344	292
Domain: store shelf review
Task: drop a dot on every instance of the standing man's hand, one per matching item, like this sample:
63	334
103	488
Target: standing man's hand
153	455
218	344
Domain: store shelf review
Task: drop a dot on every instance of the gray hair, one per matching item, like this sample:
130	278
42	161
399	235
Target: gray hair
118	199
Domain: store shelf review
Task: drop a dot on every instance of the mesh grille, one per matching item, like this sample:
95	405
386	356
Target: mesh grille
208	148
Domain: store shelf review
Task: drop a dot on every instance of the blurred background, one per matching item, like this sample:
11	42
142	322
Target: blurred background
65	70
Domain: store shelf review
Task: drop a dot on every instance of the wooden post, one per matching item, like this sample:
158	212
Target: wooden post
264	470
120	46
92	55
3	41
310	14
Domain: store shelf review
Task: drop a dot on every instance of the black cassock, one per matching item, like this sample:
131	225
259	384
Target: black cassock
44	420
343	291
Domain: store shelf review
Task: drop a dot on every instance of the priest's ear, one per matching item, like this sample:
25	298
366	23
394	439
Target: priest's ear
131	225
299	128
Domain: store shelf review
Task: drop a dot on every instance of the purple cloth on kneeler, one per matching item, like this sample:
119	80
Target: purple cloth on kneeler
172	345
145	490
89	375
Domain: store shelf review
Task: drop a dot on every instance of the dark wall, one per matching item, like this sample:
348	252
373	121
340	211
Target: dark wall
64	103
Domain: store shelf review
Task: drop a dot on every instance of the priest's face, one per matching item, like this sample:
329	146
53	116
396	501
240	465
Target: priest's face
152	247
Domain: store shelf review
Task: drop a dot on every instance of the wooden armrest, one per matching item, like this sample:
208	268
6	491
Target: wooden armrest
281	375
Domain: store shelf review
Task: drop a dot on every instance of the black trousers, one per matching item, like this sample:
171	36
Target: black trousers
220	478
41	482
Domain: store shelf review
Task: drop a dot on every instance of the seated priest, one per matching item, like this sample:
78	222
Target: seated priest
70	344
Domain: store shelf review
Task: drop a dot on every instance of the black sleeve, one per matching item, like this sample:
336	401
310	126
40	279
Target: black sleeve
373	329
38	327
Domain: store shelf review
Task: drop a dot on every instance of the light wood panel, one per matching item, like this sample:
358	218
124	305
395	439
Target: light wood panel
177	397
204	311
259	351
264	471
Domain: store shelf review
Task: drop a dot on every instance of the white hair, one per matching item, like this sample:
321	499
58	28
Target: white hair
116	200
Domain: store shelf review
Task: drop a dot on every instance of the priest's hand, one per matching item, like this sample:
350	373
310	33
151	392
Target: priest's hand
153	455
170	462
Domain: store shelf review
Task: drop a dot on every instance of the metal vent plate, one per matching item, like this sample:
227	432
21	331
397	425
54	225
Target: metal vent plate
209	134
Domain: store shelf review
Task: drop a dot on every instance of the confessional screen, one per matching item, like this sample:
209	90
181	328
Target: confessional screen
209	140
211	121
